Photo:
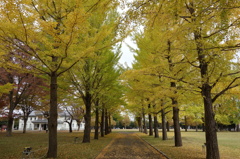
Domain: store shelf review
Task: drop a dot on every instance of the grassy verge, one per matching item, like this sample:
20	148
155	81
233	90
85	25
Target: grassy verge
229	145
12	147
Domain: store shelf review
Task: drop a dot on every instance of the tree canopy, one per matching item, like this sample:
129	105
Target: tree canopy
186	61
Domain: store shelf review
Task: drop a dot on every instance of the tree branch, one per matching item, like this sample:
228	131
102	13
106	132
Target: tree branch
230	86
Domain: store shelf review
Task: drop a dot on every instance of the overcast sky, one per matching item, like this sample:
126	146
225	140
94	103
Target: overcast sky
127	55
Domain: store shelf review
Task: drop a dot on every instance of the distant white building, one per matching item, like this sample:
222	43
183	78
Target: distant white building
37	121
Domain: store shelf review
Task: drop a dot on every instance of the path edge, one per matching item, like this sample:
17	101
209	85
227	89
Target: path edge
153	146
103	150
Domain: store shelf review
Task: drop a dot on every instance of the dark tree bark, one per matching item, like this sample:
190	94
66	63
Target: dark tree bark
14	96
102	122
78	124
25	118
87	118
24	124
237	128
211	132
106	122
164	126
10	123
186	126
52	122
203	124
210	124
110	123
10	113
176	125
150	122
70	125
144	122
96	123
168	126
156	134
27	109
139	120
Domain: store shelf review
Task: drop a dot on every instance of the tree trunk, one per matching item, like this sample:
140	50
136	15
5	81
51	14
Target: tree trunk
102	122
10	114
168	126
52	122
186	126
156	134
210	125
110	123
139	120
237	128
144	122
177	132
70	126
96	123
164	126
87	118
176	125
78	124
25	119
106	122
150	122
24	123
10	123
203	124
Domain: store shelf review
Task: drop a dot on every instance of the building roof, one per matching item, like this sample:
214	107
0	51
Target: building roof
35	113
45	121
39	113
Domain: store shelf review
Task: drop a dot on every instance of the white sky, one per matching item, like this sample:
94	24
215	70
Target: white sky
127	56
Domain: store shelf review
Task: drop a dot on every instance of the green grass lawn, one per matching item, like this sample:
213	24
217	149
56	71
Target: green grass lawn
12	147
229	145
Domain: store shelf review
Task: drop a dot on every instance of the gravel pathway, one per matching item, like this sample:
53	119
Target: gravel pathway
128	146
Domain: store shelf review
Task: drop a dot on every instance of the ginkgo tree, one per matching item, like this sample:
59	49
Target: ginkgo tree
214	44
155	59
204	35
92	79
226	110
94	74
56	35
140	94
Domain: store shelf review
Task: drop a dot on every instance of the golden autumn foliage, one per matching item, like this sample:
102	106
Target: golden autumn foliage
56	35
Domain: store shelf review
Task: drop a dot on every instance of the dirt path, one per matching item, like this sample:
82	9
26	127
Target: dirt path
128	146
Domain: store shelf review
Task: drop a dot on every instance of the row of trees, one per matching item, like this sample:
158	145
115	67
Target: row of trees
187	52
61	54
186	58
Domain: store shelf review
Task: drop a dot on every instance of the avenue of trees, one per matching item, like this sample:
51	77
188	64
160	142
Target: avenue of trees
187	51
57	40
64	55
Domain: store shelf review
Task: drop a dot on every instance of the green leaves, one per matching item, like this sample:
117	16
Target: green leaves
5	88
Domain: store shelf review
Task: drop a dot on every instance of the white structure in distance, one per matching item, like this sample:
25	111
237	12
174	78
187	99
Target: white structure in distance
37	121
